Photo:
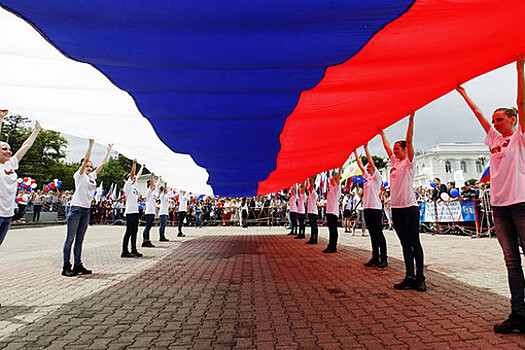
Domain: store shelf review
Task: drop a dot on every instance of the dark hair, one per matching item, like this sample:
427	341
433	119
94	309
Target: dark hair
510	112
402	143
126	176
161	188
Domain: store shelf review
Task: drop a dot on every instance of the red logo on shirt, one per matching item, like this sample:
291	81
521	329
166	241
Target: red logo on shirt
9	172
498	148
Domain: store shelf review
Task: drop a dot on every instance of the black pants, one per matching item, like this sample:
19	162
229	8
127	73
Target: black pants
37	208
132	227
293	219
374	222
180	219
302	226
312	218
332	222
150	219
406	224
20	212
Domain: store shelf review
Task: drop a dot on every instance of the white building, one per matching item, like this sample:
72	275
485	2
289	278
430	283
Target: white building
458	161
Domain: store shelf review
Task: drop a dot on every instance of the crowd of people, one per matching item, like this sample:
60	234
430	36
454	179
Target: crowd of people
305	203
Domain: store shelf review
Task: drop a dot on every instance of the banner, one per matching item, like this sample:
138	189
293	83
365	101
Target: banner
459	211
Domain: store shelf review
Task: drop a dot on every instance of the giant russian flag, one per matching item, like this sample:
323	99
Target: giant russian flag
253	96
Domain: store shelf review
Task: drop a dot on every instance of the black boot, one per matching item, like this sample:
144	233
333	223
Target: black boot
407	283
383	262
515	322
421	286
127	254
66	271
372	262
80	269
136	253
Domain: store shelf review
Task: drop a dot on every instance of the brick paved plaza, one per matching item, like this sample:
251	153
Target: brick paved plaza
254	288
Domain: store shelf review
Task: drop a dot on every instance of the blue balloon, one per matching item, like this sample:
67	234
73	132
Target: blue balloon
433	184
354	178
385	184
454	193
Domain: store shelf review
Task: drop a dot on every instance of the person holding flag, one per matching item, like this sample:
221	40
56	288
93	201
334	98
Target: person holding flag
151	206
181	212
405	210
506	140
312	213
132	213
373	210
301	213
79	214
163	210
8	184
293	211
332	211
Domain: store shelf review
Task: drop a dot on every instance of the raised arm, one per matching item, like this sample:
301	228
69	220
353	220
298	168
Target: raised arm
386	144
28	142
140	171
104	160
87	156
3	113
133	169
477	112
521	95
410	137
370	159
359	164
338	176
151	182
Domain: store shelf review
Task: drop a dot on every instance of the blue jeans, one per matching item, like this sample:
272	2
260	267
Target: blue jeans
406	224
77	224
4	226
150	218
163	219
510	226
198	219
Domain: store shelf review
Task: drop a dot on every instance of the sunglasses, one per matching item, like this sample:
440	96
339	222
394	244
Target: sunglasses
6	149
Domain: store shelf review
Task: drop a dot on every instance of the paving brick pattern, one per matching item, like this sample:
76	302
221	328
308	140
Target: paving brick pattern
262	289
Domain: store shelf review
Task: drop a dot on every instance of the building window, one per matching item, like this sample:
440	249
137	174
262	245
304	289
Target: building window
479	167
463	166
448	167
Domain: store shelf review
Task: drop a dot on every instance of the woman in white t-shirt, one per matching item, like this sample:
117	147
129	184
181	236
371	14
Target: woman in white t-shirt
506	141
332	212
8	184
151	206
405	210
132	213
301	213
313	212
293	211
373	210
163	212
78	216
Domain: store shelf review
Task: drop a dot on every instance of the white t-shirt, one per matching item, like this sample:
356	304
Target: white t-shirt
312	203
358	202
164	204
293	203
150	202
332	200
507	167
132	197
300	204
8	187
85	186
401	183
371	190
183	203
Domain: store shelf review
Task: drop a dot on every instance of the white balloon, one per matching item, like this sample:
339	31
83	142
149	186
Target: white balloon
33	185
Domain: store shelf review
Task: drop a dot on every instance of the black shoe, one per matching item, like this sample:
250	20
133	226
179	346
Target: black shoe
407	283
515	322
421	286
383	262
80	269
164	239
66	271
330	250
136	253
181	234
300	237
127	255
147	244
291	234
372	262
310	242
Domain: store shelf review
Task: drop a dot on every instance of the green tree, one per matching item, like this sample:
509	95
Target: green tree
113	172
379	162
